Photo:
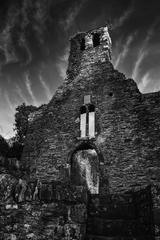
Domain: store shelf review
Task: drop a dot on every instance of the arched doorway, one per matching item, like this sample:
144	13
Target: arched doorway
85	168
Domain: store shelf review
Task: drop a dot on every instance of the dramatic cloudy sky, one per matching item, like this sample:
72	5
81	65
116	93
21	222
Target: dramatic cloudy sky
34	46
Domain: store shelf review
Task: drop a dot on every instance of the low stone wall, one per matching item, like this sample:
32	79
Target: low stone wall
42	211
121	216
36	220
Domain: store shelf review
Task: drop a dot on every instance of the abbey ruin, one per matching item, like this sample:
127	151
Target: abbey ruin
91	160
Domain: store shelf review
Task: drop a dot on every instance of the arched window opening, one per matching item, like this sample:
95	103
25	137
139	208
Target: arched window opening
85	169
82	44
87	121
91	109
96	39
83	121
83	109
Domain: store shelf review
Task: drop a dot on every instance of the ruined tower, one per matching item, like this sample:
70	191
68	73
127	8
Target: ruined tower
92	153
87	49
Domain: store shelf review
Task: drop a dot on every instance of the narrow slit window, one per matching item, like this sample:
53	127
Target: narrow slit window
83	117
96	40
91	110
82	44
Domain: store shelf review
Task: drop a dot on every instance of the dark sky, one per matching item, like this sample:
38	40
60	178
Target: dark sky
34	46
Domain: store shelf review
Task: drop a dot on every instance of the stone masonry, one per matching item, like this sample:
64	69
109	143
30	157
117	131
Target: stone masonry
50	201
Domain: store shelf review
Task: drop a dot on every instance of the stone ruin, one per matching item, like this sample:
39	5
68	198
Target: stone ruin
91	160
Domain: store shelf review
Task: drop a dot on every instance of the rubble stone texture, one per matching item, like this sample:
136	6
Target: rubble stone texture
54	198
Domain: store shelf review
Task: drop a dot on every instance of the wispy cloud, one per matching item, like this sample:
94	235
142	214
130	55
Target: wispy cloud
149	82
62	63
20	93
6	41
1	130
126	14
29	88
124	51
143	51
144	82
142	54
9	102
72	14
24	45
46	88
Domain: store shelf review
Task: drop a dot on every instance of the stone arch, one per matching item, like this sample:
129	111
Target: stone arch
85	161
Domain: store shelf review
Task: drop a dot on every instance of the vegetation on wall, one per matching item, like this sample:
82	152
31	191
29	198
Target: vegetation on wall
13	147
4	147
21	121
